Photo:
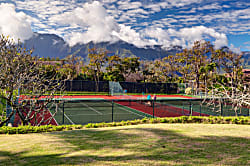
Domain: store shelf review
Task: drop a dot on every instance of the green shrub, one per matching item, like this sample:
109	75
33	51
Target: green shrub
182	119
36	129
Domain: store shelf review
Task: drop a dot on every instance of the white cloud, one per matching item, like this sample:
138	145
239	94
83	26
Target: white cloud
180	3
94	22
235	49
156	7
125	5
201	32
159	35
186	36
130	35
210	6
14	23
109	20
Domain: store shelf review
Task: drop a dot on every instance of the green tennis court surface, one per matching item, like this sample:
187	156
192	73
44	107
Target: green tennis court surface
75	112
95	111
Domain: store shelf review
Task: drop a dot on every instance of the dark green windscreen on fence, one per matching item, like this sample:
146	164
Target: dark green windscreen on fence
131	87
95	111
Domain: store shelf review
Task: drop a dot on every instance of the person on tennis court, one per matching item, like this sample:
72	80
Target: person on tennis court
154	97
153	100
149	100
125	91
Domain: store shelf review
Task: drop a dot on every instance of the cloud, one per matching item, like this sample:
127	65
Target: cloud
163	22
125	5
202	32
180	3
186	36
14	23
126	33
93	21
210	6
235	49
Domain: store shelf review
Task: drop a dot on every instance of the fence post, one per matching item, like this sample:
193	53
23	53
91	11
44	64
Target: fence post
112	110
153	108
63	114
183	108
221	108
190	109
200	108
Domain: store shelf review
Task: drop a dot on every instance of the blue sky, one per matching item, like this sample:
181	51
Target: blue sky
145	22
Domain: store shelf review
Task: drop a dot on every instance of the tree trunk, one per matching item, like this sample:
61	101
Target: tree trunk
8	118
197	84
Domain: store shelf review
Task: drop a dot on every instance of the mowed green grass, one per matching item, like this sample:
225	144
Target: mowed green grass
148	144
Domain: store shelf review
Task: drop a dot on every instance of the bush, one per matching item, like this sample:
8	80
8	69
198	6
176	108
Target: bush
182	119
36	129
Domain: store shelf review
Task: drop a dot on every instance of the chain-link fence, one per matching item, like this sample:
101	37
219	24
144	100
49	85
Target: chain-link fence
95	111
131	87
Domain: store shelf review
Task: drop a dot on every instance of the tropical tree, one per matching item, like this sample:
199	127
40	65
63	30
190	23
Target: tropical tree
232	85
179	66
113	69
208	74
198	57
129	65
23	84
97	59
161	71
147	69
73	65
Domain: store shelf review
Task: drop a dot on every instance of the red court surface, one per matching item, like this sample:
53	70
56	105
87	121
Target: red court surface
120	97
160	110
45	118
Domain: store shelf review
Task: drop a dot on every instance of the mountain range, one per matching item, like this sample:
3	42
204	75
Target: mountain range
51	45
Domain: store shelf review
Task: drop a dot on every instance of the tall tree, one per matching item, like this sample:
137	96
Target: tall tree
147	69
198	58
129	65
114	69
74	64
23	75
231	85
97	59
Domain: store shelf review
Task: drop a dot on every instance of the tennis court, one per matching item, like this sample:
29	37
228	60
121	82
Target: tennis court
94	109
100	108
85	109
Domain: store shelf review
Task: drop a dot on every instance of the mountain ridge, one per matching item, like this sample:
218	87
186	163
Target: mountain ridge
51	45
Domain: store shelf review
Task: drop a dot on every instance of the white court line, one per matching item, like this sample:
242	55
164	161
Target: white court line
68	118
128	110
83	114
91	108
48	109
53	117
95	114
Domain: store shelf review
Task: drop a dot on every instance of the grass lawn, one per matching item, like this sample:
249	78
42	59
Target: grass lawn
148	144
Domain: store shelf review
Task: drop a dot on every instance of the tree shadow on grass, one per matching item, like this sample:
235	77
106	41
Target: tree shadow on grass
138	146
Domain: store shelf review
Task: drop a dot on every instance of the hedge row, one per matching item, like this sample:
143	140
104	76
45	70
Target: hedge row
182	119
37	129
